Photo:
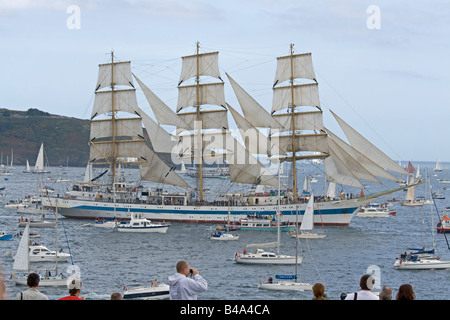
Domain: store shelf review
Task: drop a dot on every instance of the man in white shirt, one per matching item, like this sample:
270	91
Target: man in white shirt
181	287
366	283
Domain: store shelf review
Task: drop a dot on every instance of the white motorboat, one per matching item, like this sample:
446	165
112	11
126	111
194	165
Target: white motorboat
222	236
157	292
37	223
286	282
107	224
375	211
138	224
40	253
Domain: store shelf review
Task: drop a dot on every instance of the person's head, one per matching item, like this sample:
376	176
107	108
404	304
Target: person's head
183	267
405	292
33	280
116	296
318	290
366	282
386	293
74	286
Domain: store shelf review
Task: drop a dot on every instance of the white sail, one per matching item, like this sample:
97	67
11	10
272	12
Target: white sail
255	141
410	193
156	170
164	115
363	160
123	100
244	167
208	94
117	74
210	119
307	221
331	192
208	65
252	110
303	67
39	166
21	259
303	95
88	175
262	245
365	147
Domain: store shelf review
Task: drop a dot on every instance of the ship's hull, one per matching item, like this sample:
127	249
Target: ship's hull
332	213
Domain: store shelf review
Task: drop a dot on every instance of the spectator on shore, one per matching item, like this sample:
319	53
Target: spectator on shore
385	293
32	293
74	286
366	284
319	292
182	287
405	292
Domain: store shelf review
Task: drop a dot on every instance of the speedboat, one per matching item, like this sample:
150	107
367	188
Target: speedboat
103	223
153	292
218	235
375	211
5	236
443	225
40	253
138	224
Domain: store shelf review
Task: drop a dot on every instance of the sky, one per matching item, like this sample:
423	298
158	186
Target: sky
382	66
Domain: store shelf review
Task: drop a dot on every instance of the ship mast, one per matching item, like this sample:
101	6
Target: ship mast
294	168
199	133
113	125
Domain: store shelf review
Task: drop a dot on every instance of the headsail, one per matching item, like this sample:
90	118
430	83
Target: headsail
21	259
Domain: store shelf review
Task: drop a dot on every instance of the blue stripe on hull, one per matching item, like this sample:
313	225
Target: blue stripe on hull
338	216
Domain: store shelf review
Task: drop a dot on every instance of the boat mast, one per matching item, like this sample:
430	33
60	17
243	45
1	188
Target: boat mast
113	124
294	168
199	134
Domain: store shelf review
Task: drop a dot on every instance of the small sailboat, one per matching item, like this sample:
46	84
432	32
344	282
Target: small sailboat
39	166
307	226
22	263
259	256
438	166
410	198
421	259
224	236
27	168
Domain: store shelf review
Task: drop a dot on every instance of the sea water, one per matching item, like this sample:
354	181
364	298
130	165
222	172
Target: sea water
108	261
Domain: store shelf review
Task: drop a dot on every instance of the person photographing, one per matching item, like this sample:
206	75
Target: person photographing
186	283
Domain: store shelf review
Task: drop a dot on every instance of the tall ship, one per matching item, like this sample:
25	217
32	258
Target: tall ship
204	138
